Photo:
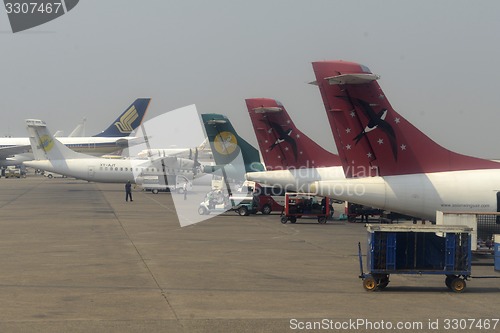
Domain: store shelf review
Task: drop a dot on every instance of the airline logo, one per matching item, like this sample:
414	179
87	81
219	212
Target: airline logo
225	143
126	121
377	120
26	14
46	143
284	136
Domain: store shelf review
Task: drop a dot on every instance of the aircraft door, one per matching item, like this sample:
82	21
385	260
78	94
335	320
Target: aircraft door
91	172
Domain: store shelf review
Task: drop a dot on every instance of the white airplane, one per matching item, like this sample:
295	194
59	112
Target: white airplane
416	176
293	161
51	155
13	151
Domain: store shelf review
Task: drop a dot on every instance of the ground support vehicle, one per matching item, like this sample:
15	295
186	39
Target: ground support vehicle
417	249
14	172
298	205
156	183
216	201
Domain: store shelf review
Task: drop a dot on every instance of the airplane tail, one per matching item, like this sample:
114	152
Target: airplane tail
371	137
284	146
79	130
226	144
45	146
128	121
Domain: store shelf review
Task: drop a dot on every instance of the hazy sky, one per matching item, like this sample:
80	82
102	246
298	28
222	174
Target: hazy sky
438	61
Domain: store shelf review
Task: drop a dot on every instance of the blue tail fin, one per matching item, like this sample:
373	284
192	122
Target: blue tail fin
129	120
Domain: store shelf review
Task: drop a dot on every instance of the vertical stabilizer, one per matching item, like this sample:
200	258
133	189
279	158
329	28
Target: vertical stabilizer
371	137
282	144
45	146
129	120
226	144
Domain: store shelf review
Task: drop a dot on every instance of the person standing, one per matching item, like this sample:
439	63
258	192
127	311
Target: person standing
128	191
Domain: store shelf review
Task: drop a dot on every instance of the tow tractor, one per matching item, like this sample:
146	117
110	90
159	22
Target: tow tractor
298	205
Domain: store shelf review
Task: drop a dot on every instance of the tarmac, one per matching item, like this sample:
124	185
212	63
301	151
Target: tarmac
75	257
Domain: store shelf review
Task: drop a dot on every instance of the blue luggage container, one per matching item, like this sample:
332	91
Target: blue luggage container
417	249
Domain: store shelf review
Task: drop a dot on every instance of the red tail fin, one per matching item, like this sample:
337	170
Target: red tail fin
372	138
281	144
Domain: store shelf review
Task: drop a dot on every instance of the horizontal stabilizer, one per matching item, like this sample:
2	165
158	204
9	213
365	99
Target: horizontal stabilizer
216	121
270	109
352	78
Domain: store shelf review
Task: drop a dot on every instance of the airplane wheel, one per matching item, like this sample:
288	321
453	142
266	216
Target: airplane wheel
266	210
458	285
369	283
284	220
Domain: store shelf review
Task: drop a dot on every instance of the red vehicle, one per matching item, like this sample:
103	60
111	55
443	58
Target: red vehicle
299	205
267	199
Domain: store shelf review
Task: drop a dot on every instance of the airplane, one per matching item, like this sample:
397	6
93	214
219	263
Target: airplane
51	155
13	151
293	161
388	162
79	130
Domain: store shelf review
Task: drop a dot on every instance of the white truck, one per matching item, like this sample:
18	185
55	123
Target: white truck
175	183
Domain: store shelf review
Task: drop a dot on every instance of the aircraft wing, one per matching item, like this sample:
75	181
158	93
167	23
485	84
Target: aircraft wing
173	162
129	142
10	151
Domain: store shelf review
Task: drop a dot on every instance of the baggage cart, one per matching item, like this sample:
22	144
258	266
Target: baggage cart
298	205
417	249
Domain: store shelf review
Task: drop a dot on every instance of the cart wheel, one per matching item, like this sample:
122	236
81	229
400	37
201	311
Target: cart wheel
384	281
448	280
293	219
458	285
369	283
321	219
284	219
202	210
243	211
